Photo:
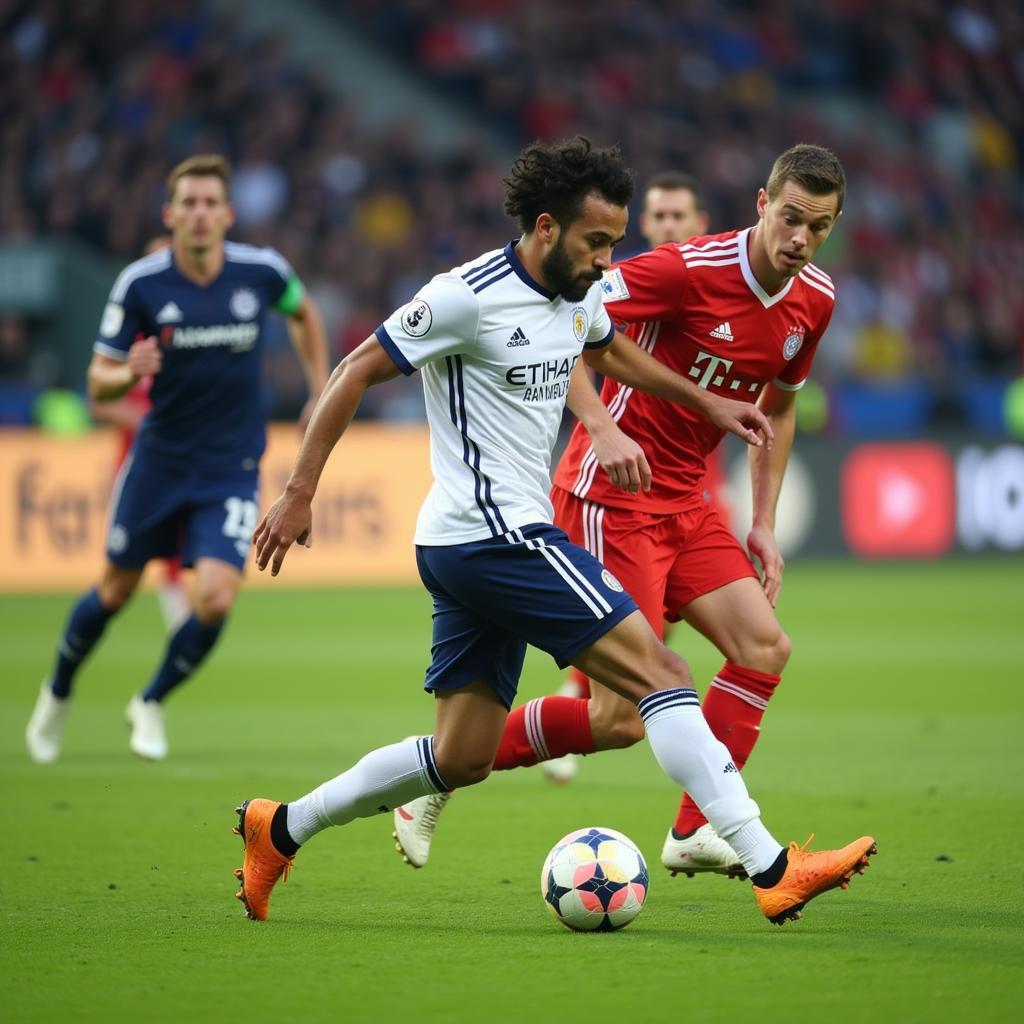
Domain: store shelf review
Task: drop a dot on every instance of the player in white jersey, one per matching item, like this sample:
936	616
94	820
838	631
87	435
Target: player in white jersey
496	341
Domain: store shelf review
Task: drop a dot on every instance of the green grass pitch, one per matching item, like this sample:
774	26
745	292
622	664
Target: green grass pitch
901	715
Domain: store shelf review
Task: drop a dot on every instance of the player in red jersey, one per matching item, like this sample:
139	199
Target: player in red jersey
126	414
741	313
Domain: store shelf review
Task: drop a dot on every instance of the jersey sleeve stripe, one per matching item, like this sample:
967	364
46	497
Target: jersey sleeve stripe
492	280
394	351
146	267
606	340
786	386
713	263
717	243
109	350
817	285
472	275
820	274
238	252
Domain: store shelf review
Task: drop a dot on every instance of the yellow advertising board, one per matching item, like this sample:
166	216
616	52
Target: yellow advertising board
53	507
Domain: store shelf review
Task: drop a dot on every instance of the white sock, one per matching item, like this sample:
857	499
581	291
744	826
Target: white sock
688	752
385	778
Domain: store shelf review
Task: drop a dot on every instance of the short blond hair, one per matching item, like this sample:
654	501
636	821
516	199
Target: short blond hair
203	165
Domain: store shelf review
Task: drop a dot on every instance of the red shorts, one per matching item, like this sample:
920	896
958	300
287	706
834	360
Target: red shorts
663	561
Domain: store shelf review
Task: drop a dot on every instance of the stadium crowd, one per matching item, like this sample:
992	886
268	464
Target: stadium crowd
923	104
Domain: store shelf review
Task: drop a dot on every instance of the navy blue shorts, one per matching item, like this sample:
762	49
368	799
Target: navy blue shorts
495	596
159	512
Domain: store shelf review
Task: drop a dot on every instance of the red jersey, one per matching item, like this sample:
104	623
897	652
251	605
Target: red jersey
697	307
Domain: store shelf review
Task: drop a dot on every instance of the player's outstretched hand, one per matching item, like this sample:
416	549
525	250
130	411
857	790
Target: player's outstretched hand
761	543
744	420
622	459
288	520
145	357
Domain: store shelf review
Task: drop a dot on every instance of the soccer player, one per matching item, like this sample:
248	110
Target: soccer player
191	481
496	340
740	313
126	415
673	211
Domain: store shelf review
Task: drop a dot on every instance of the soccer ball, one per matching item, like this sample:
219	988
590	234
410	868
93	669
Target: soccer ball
594	880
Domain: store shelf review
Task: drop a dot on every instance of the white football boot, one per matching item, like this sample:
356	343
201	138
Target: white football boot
149	737
414	827
560	769
45	730
703	852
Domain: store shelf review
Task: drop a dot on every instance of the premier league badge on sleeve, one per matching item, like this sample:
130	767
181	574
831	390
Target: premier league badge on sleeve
417	318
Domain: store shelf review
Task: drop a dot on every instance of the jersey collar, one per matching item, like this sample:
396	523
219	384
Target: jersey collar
517	266
752	283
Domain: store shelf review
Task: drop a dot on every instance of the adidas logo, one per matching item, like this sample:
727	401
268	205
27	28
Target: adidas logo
170	314
723	331
517	339
729	769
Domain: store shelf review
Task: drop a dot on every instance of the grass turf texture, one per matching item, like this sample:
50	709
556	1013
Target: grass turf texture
901	715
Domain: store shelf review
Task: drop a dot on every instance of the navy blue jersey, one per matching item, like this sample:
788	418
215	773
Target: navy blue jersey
208	408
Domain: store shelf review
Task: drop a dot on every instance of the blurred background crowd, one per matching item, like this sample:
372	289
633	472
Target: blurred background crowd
922	100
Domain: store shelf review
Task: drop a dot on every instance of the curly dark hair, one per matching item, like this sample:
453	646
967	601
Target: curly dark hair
556	178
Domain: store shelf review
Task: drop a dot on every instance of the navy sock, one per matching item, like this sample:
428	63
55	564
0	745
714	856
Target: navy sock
279	834
85	626
185	653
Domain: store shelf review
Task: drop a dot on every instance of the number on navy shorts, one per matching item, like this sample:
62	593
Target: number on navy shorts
240	520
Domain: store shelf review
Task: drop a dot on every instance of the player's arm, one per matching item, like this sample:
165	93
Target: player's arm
767	468
290	518
617	453
110	378
306	330
624	361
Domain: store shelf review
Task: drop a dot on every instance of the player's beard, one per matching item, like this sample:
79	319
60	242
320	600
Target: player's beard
562	276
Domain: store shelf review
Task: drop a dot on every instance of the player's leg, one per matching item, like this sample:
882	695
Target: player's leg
714	588
214	539
630	660
82	632
216	586
632	546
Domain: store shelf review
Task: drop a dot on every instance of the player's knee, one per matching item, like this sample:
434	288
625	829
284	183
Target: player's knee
213	606
766	653
465	770
115	591
669	670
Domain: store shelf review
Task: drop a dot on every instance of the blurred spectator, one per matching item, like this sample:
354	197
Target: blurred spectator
925	105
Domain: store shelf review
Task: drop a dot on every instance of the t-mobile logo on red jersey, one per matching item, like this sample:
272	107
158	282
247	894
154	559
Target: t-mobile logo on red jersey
713	371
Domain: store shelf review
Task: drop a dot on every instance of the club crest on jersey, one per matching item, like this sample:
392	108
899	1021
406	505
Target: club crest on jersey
417	318
613	288
611	582
793	341
244	304
580	323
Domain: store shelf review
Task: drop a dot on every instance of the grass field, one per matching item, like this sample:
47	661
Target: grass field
901	715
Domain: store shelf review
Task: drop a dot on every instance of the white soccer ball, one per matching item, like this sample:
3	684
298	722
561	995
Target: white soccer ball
594	880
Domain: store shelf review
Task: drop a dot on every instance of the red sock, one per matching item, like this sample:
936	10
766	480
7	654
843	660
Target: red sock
542	729
733	707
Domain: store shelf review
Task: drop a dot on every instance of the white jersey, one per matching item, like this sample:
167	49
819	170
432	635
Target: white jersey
496	350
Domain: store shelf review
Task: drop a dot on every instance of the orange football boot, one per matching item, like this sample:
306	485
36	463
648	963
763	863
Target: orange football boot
809	874
263	864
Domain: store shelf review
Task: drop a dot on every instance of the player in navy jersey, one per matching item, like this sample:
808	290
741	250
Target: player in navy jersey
191	316
496	341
